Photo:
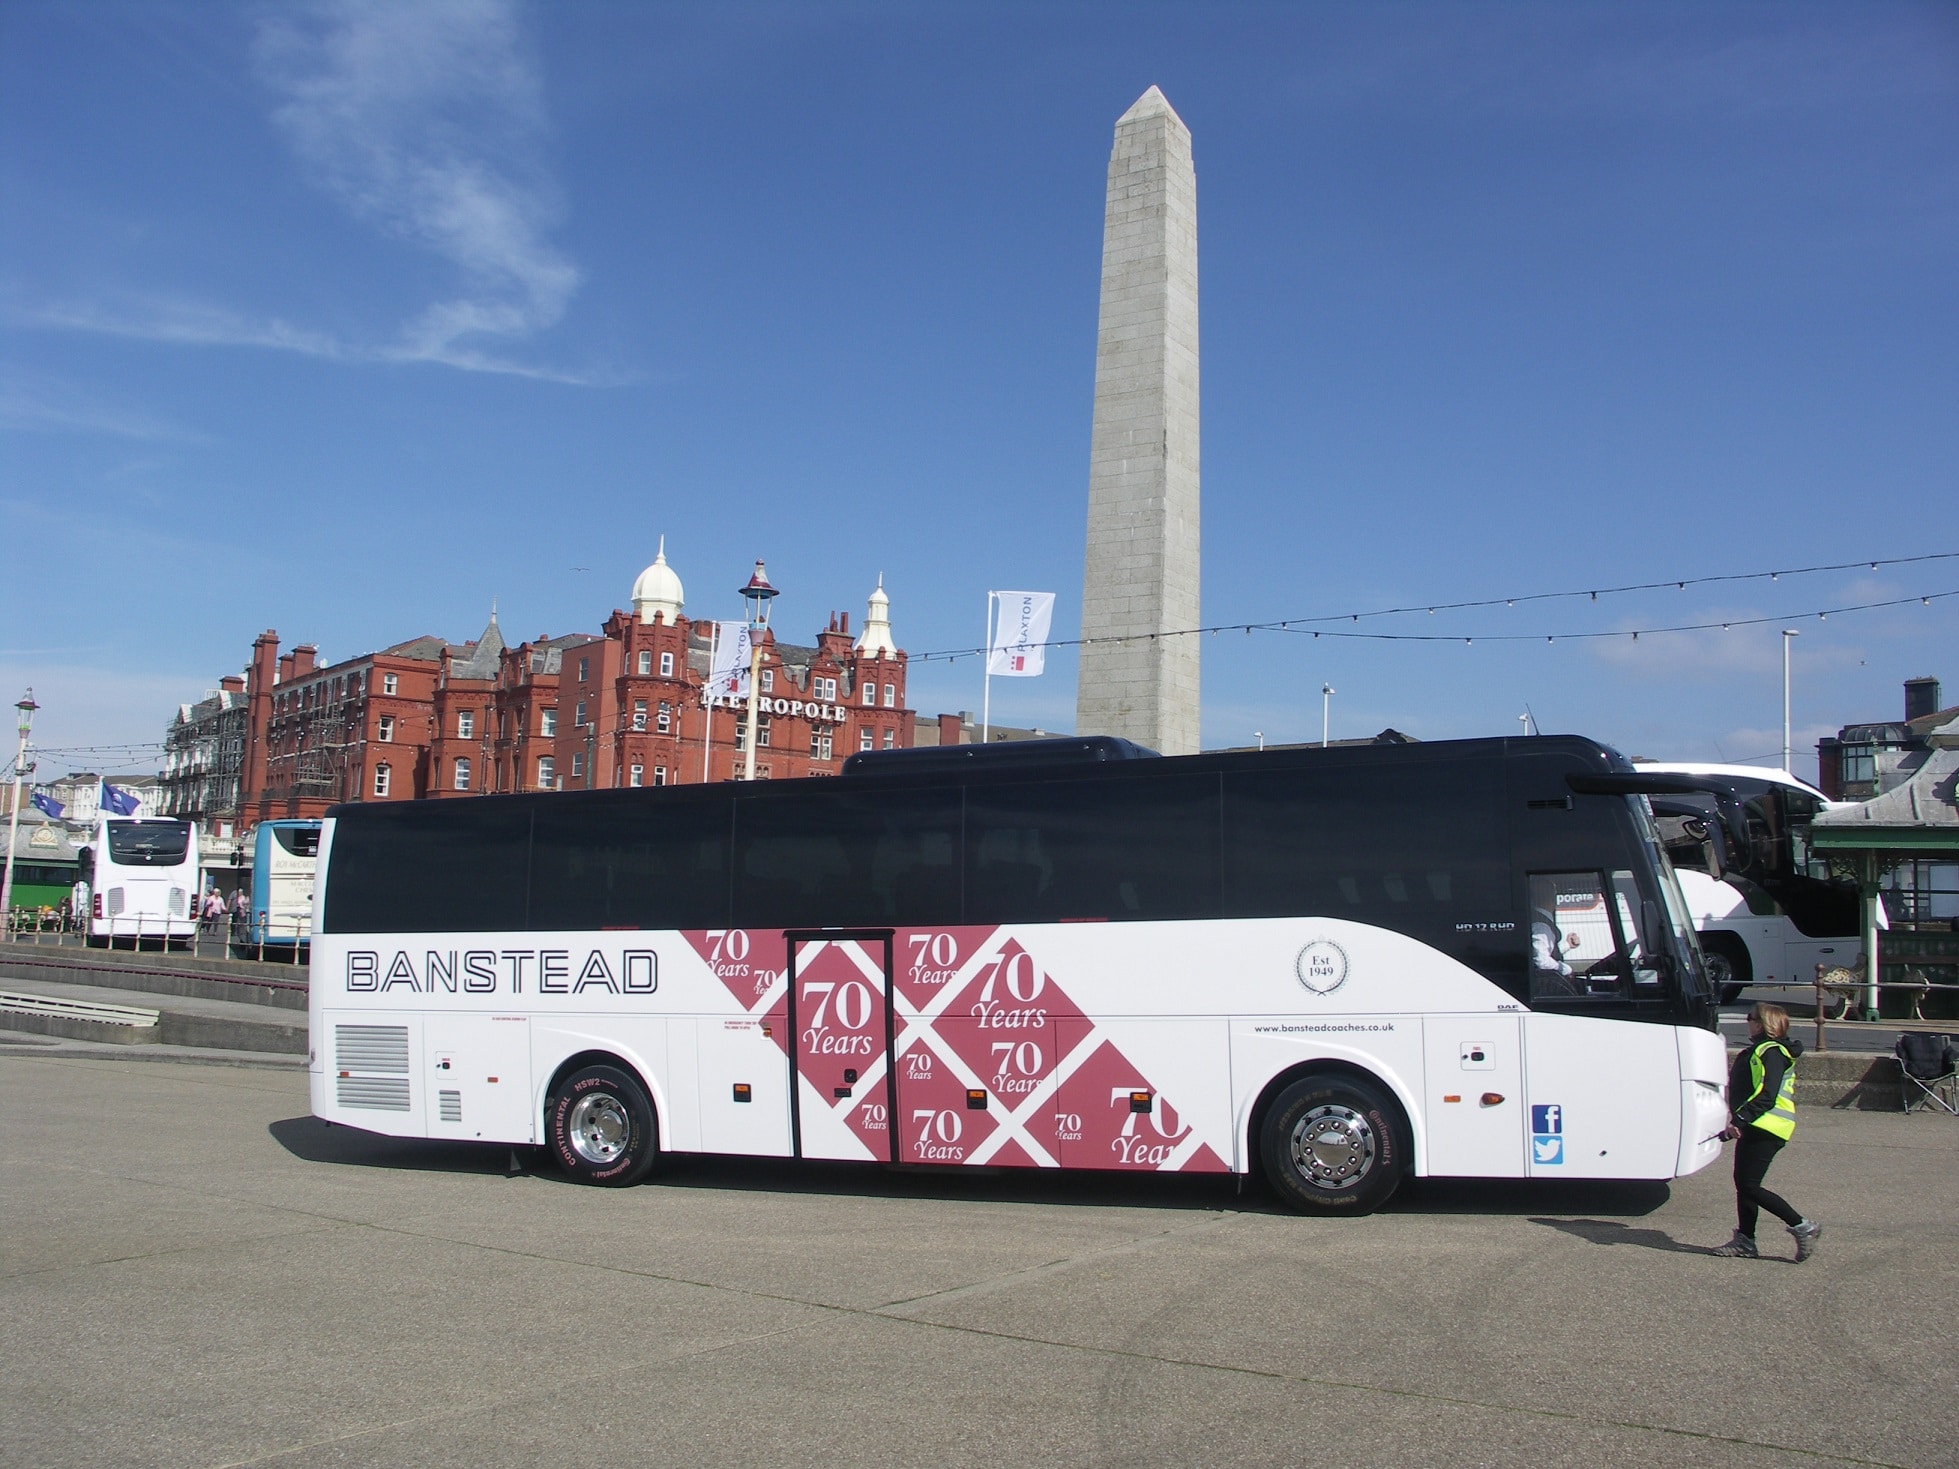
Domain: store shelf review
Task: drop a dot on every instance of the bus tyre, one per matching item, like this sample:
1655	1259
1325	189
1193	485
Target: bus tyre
1334	1145
1729	971
601	1127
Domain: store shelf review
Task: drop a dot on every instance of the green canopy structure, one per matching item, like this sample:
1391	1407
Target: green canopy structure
1916	820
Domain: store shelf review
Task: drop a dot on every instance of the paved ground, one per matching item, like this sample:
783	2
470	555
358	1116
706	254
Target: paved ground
197	1273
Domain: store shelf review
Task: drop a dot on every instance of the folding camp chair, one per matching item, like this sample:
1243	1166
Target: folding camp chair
1928	1072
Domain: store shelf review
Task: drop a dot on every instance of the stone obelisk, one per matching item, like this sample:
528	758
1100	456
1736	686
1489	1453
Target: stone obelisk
1141	576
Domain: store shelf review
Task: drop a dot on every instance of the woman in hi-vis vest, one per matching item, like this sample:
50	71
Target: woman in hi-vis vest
1761	1119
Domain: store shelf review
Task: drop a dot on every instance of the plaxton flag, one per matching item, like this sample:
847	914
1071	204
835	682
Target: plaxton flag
1020	635
118	802
48	805
727	676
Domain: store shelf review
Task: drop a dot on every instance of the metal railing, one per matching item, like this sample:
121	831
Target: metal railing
1847	997
232	936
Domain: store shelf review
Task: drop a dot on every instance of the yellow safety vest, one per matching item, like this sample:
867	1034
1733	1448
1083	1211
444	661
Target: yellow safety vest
1781	1118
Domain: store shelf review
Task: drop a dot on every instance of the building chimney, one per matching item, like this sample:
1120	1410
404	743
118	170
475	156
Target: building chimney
285	667
1921	698
304	657
232	683
1829	767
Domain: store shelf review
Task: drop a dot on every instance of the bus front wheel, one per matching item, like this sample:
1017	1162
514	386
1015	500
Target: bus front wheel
601	1127
1729	971
1334	1145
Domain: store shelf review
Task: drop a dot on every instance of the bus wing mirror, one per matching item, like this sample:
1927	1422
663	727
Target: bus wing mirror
1739	854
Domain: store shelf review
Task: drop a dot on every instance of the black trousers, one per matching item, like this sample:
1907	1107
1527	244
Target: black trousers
1753	1154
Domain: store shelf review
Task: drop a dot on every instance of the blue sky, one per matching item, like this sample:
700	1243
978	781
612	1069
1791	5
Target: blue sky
347	319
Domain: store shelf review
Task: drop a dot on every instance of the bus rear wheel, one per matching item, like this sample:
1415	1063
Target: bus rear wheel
601	1127
1334	1145
1729	971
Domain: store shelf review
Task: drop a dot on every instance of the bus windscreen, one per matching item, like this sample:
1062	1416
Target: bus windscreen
148	843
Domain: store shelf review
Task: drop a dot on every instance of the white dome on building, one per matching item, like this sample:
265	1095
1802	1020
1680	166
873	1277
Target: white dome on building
658	592
876	638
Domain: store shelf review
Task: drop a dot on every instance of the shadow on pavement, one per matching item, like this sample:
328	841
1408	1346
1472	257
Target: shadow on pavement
313	1141
1534	1196
1610	1232
1187	1191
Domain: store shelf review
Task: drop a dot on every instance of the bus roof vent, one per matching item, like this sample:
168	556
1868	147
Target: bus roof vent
1007	755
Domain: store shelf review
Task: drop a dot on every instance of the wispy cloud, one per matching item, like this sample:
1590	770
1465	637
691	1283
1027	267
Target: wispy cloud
199	324
425	121
190	323
37	404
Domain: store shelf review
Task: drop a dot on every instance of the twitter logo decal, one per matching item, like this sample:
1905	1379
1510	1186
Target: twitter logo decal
1547	1132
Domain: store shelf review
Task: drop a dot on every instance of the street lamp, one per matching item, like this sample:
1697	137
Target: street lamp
1259	735
756	596
1787	633
26	706
1326	713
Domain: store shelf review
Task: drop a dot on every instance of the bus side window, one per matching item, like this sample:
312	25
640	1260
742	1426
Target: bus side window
592	869
431	867
847	858
1121	848
1422	850
1591	940
1572	951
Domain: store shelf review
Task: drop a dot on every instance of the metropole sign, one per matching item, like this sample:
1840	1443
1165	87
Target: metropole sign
794	708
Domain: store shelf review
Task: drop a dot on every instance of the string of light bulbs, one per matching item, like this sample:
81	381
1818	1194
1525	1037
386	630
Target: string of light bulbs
1322	626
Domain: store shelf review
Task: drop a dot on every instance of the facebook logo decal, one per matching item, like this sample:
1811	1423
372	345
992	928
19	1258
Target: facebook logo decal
1547	1133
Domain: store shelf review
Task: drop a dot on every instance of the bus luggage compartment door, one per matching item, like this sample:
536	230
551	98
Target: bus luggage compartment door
478	1077
1473	1098
840	1021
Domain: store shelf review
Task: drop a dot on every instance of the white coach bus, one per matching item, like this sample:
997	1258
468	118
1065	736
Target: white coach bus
1341	967
1768	911
140	876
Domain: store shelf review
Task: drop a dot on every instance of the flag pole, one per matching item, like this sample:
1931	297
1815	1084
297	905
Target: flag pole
707	706
986	661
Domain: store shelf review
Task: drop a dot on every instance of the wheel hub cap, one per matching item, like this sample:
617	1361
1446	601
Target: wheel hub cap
599	1126
1334	1147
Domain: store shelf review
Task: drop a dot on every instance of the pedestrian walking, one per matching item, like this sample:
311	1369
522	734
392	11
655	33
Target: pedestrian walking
1761	1120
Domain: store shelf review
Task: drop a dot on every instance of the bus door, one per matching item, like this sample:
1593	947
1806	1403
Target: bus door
840	1019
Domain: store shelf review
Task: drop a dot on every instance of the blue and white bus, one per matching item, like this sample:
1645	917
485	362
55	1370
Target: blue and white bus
1339	967
285	856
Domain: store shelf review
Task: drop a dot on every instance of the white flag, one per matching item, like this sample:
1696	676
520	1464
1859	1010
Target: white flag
727	674
1021	634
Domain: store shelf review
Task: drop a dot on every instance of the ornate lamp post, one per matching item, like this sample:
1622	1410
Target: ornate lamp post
26	706
756	596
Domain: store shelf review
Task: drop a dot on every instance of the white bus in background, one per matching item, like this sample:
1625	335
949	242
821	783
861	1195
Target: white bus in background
139	879
1767	910
1338	967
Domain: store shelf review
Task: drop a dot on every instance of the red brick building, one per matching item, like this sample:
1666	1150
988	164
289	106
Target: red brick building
631	710
621	707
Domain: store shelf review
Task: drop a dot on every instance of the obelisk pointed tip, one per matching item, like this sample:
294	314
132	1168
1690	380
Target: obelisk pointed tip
1151	104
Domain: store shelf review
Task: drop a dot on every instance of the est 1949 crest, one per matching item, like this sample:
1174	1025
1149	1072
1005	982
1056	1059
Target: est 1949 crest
1322	966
